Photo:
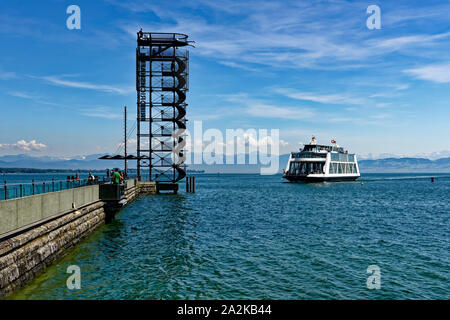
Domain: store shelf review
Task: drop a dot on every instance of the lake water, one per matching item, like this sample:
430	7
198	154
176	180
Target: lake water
255	237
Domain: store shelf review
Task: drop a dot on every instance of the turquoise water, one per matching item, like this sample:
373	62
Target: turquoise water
255	237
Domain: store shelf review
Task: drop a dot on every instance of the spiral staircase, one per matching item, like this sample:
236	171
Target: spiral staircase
162	66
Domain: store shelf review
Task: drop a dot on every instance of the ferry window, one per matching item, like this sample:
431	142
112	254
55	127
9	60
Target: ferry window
292	168
332	167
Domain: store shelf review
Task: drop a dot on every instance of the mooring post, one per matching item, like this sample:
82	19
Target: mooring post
187	184
32	183
193	184
21	192
53	184
43	187
6	191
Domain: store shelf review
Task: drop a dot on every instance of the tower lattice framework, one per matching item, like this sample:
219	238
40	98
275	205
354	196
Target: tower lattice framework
161	84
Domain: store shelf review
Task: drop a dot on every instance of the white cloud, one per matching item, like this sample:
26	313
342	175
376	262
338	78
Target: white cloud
342	119
23	95
402	14
330	98
5	75
25	146
265	33
439	73
380	116
394	44
238	66
36	99
288	34
262	109
131	143
269	111
59	81
101	112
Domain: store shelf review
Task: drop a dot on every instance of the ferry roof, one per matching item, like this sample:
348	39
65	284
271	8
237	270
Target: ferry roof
320	145
312	146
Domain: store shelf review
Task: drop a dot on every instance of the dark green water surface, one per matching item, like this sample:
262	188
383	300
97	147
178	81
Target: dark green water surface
254	237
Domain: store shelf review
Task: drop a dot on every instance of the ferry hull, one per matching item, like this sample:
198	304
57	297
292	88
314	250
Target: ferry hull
319	179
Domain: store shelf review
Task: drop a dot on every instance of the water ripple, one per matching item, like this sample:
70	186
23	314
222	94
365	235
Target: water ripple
253	237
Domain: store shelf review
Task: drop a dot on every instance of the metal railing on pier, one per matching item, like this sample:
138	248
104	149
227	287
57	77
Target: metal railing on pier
18	190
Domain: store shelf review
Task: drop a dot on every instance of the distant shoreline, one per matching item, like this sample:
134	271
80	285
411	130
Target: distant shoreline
36	170
201	171
33	170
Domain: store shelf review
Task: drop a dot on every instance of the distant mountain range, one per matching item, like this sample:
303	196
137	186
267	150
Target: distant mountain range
88	162
405	165
91	162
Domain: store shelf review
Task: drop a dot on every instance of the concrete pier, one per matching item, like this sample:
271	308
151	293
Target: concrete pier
37	230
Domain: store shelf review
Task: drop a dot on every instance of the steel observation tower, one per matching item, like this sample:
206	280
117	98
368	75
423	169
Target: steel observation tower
162	71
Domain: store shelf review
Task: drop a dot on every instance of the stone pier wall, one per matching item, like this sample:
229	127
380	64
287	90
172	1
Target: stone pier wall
147	187
28	251
23	256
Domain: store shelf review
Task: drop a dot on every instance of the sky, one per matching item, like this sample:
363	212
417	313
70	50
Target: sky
303	67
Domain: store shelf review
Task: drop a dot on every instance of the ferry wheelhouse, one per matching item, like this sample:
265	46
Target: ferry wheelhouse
322	163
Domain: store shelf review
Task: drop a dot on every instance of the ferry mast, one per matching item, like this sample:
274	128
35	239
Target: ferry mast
161	85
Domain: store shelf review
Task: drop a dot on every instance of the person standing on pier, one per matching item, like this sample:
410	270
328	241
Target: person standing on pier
116	176
91	178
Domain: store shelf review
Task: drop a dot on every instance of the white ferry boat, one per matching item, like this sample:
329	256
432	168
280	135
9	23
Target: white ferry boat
322	163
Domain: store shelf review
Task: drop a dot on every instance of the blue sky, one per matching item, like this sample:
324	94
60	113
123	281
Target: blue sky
304	67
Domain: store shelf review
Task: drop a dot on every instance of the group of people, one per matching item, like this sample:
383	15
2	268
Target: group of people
76	178
115	175
73	178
